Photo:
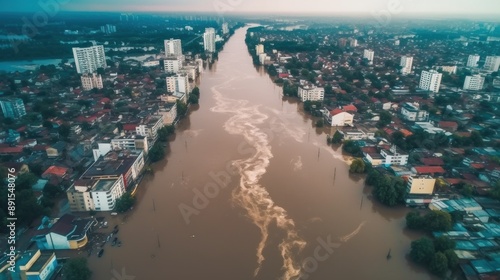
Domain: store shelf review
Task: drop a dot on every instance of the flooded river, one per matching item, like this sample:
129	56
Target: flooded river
250	190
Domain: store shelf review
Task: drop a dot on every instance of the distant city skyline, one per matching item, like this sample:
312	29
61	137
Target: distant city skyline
369	7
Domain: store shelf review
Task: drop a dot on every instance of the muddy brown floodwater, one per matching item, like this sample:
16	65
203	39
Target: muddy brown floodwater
250	190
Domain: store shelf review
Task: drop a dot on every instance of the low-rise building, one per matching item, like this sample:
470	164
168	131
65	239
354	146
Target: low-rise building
337	117
311	93
67	232
168	112
150	127
91	81
420	185
412	112
394	157
31	265
95	194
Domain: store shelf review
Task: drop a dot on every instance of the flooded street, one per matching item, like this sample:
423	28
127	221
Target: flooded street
250	190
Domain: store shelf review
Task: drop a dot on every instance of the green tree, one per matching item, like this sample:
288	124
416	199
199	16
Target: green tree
76	269
124	202
438	221
476	139
422	250
352	147
165	132
337	137
452	258
156	153
320	123
414	220
439	264
357	166
385	119
193	99
25	181
181	108
443	243
52	191
196	91
64	130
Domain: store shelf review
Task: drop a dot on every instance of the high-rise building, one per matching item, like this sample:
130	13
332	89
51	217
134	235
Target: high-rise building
259	49
473	60
225	28
311	93
173	47
353	42
91	81
12	107
369	54
475	82
492	63
88	60
173	64
406	64
178	83
430	80
209	40
108	29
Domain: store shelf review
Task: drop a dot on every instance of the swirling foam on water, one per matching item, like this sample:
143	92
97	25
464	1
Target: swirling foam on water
252	196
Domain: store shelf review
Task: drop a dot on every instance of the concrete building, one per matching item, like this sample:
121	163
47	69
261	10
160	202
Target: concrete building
420	185
475	82
259	49
406	65
125	142
31	265
173	64
209	40
95	194
492	63
150	128
108	29
178	83
67	232
353	42
173	47
88	60
122	165
473	60
311	93
393	157
337	117
12	107
225	28
91	81
369	54
430	80
168	112
412	112
448	69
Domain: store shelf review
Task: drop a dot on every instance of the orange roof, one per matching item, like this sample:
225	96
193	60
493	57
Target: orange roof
335	111
406	132
350	108
55	170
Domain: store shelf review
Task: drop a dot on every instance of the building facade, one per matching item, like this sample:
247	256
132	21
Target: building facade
225	28
12	107
369	55
420	185
475	82
311	93
394	157
492	63
91	81
173	64
178	83
430	80
173	47
412	112
88	60
473	60
406	64
209	40
259	49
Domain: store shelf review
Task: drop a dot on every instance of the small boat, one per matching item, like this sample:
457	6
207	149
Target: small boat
119	243
115	231
114	241
389	254
100	253
116	227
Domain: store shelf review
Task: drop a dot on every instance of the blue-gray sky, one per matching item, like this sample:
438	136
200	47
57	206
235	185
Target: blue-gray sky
396	7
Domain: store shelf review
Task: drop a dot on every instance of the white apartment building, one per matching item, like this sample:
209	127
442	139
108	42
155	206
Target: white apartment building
353	42
430	80
225	28
412	112
88	60
108	29
168	113
172	64
259	49
125	142
406	65
473	60
173	47
393	157
209	40
492	63
150	128
179	83
91	81
311	93
369	54
448	69
95	194
475	82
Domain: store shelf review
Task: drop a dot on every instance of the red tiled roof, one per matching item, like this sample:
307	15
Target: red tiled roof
432	161
406	132
429	169
335	112
443	124
453	181
11	150
477	165
350	108
129	127
55	170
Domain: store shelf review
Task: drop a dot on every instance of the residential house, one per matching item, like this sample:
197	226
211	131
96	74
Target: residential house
31	265
412	112
56	150
337	117
67	232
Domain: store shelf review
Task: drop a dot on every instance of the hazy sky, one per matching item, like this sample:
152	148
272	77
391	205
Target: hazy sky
396	7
